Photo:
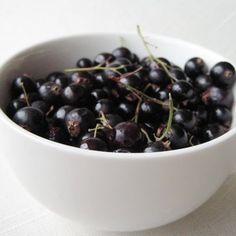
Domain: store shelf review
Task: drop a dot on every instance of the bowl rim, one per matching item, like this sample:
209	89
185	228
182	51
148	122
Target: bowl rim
102	154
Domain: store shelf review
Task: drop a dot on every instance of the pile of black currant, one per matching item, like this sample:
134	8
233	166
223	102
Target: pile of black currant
119	103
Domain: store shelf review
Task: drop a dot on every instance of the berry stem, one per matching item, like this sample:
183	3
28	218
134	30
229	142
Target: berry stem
152	57
146	135
170	118
137	111
104	121
25	93
99	67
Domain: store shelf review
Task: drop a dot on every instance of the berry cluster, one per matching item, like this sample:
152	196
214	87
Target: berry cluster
119	103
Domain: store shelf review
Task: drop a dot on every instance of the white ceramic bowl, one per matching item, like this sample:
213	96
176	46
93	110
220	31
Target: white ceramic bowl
111	191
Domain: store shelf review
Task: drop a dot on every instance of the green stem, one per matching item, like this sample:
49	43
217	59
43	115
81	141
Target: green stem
146	135
25	93
145	43
115	69
170	118
152	57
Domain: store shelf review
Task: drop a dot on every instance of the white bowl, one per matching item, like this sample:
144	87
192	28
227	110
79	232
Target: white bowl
111	191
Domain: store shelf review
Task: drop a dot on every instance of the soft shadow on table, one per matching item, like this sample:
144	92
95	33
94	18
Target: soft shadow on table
217	217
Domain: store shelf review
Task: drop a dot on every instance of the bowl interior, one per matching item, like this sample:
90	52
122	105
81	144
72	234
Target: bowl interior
56	55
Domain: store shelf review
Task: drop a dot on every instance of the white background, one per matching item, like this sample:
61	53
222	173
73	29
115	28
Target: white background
22	23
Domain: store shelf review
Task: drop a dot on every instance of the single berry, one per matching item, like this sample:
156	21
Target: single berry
94	144
58	78
159	77
194	67
31	119
50	92
126	110
14	106
182	90
21	83
78	121
122	52
60	114
43	106
202	83
84	63
104	105
223	74
127	134
73	94
178	137
185	118
103	58
222	115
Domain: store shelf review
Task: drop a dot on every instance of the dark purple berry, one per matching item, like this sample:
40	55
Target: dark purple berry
50	92
182	90
223	74
195	67
20	82
78	121
127	134
84	63
202	83
178	137
94	144
31	119
185	118
14	106
104	105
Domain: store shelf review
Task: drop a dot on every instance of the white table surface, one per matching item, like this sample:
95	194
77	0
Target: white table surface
22	23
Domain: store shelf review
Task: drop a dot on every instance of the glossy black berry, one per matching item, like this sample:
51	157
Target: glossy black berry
185	118
60	114
182	90
84	63
133	81
159	77
194	67
98	94
39	82
78	121
222	115
122	52
103	58
211	131
202	83
178	73
126	110
157	146
58	78
217	96
50	92
178	137
73	94
149	111
21	82
223	74
14	106
31	119
127	134
104	105
83	78
113	119
94	144
41	105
